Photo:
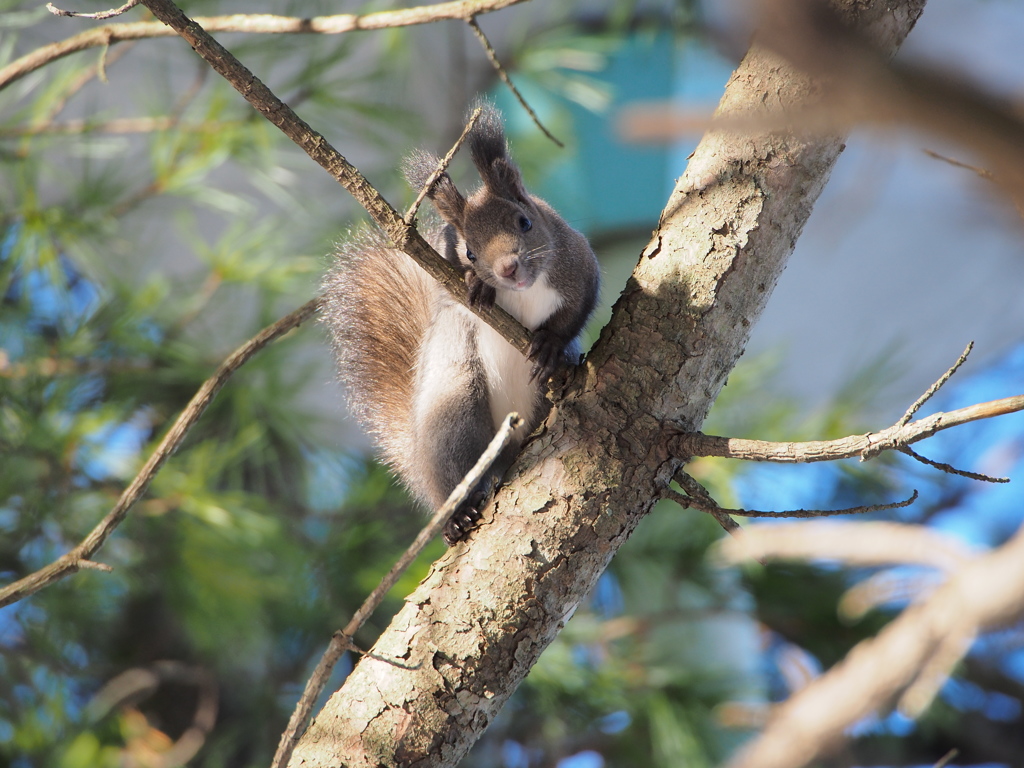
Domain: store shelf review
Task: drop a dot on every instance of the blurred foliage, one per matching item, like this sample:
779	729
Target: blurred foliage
131	263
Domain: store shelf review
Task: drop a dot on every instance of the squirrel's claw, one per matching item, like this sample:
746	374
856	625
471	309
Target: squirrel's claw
547	353
480	294
460	523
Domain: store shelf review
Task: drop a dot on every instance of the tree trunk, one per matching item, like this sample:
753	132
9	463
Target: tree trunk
468	635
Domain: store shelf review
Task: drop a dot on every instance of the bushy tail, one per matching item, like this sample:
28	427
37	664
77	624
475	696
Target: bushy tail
377	309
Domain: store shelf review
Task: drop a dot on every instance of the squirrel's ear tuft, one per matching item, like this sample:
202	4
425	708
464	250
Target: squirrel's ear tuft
418	168
489	150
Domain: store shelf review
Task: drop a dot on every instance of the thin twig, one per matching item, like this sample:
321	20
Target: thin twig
865	446
951	469
711	507
493	57
947	758
101	15
342	640
110	34
442	166
79	556
936	386
984	173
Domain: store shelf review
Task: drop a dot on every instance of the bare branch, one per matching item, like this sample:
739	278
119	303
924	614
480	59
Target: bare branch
986	593
711	507
404	237
864	86
101	15
493	57
442	166
122	125
864	446
93	565
854	544
949	468
252	24
342	641
79	557
936	386
982	172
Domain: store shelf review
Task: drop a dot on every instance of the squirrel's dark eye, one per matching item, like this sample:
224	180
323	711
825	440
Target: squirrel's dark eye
525	224
470	255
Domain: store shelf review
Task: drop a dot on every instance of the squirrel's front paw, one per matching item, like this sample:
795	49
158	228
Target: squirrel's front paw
547	351
480	294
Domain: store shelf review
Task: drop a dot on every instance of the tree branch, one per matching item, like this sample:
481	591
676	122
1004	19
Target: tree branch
79	557
860	545
712	508
253	24
100	16
405	237
910	657
342	640
863	446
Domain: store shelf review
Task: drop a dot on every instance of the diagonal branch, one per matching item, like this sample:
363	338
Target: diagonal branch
442	165
404	236
252	24
79	556
936	386
712	508
948	468
342	640
492	56
903	661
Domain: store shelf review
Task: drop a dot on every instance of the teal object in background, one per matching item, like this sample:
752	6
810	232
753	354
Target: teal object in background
599	183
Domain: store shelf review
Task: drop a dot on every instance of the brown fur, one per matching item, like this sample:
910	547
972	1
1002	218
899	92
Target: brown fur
377	309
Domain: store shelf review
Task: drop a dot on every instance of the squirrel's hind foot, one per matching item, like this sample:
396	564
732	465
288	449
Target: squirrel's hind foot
466	518
460	524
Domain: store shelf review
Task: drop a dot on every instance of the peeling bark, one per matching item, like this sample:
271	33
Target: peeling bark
468	635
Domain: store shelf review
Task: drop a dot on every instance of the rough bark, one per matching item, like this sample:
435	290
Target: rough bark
469	634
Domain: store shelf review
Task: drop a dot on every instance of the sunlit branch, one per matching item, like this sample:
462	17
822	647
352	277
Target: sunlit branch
251	24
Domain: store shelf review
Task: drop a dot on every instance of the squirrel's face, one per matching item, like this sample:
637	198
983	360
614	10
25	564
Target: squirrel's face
505	242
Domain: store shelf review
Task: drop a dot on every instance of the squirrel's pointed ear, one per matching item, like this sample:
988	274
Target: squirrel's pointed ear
418	168
490	156
449	201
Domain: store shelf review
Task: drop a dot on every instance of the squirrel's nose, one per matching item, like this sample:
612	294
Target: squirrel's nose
508	269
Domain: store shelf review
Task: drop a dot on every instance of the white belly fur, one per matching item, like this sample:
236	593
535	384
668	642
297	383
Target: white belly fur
508	371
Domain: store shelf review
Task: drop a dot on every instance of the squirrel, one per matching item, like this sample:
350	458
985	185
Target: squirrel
430	381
